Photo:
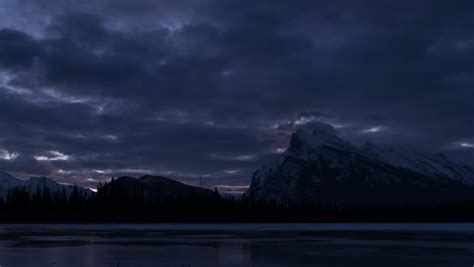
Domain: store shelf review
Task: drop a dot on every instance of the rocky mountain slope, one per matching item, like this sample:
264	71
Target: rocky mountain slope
321	168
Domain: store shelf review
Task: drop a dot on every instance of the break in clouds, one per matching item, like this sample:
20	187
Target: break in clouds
214	88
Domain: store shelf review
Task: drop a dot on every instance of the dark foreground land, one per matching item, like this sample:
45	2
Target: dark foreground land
129	205
123	245
152	199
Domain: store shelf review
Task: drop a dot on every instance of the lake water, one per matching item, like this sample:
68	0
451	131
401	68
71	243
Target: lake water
184	245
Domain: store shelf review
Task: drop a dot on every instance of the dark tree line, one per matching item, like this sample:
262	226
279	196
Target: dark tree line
41	203
114	203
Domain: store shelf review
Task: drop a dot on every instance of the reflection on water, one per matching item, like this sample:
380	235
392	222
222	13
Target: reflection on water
238	245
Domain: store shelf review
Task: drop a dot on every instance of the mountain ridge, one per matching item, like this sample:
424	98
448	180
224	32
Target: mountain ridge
153	189
320	167
33	184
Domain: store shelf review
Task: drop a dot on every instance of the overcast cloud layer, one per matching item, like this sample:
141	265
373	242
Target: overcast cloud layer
214	88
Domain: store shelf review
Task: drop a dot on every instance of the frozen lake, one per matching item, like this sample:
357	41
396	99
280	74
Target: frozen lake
183	245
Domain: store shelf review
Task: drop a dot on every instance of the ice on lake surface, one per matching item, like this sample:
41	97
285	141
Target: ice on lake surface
237	245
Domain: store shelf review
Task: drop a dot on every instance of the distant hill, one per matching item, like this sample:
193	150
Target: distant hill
154	189
320	168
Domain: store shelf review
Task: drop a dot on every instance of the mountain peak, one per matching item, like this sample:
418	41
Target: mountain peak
7	180
42	179
151	178
315	136
320	128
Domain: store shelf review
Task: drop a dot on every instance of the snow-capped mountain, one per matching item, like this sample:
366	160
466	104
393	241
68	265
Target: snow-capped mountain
320	167
8	181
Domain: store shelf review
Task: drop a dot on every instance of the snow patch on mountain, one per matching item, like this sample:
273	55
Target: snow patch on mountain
435	166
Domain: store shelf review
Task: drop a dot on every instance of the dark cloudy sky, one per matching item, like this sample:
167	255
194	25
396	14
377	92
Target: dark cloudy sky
213	88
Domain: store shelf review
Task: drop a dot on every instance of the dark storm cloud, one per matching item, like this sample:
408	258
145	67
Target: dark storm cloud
17	49
213	88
